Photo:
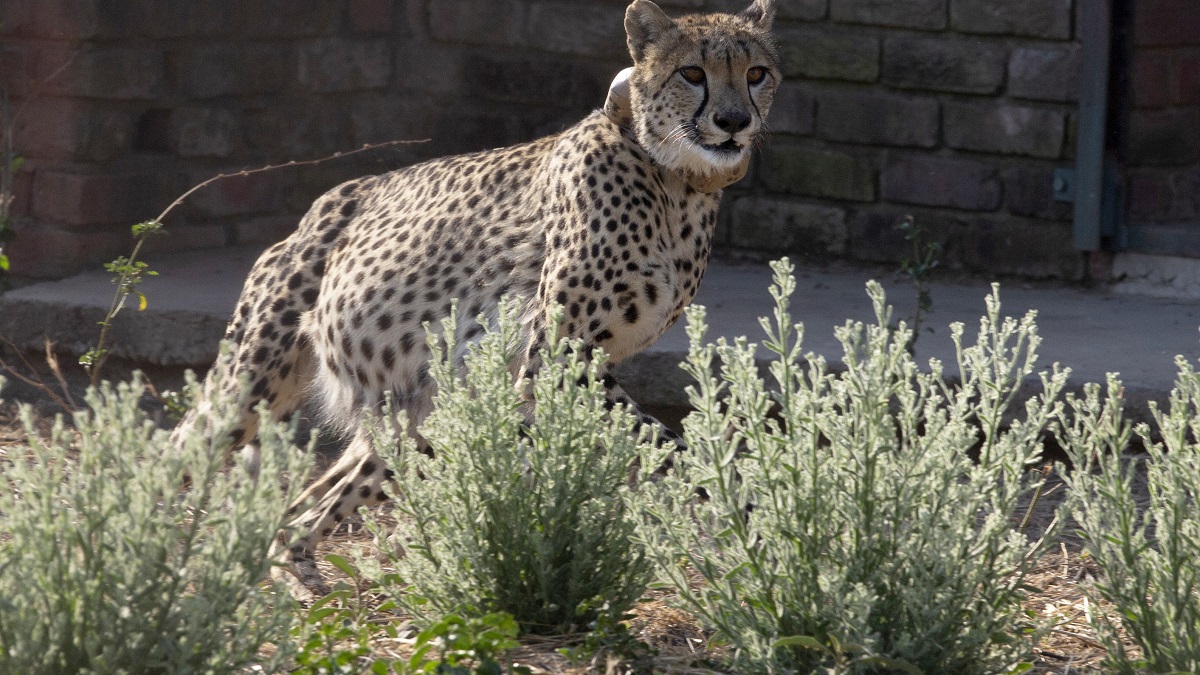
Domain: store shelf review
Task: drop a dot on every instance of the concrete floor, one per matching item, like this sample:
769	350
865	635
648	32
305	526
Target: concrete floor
1091	331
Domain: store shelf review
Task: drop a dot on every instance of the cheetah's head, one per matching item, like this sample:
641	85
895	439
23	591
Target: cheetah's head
701	85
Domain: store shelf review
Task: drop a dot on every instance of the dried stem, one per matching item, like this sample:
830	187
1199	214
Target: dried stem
64	399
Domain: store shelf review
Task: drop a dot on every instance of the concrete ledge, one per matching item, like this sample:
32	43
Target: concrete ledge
1156	276
1092	332
190	301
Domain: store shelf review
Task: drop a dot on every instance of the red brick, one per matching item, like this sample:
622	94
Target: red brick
17	17
787	225
1005	129
972	242
1049	73
203	132
1187	79
1029	191
241	194
968	66
925	14
94	199
72	130
371	16
1151	79
46	251
14	70
274	19
1169	137
299	129
170	19
574	28
86	19
793	111
338	65
1183	203
878	119
1159	23
807	10
22	193
1034	18
526	79
941	181
1145	196
386	118
186	238
122	74
212	70
497	22
264	230
818	52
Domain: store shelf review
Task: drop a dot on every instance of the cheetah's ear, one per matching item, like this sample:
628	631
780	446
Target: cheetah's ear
644	23
761	13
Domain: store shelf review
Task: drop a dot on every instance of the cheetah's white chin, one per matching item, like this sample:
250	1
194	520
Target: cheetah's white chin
696	160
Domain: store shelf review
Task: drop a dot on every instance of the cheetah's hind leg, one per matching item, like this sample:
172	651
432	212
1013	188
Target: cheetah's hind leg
355	480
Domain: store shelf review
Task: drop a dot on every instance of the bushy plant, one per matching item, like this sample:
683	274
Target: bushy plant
121	553
863	520
1147	551
516	516
337	630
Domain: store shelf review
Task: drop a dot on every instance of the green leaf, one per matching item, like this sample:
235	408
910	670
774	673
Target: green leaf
806	641
3	262
489	667
891	664
342	564
147	228
318	615
17	163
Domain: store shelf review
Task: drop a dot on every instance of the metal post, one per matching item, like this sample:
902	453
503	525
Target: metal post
1096	33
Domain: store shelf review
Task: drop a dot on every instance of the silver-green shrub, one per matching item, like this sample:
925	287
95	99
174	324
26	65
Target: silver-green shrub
862	520
527	518
1147	550
120	553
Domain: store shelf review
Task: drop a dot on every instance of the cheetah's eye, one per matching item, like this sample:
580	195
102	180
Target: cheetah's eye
756	74
692	74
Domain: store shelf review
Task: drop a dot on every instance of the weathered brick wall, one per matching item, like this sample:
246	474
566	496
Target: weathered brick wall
954	111
1163	146
121	105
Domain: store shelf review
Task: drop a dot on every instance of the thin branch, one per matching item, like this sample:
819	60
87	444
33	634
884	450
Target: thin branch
98	355
272	167
65	401
52	362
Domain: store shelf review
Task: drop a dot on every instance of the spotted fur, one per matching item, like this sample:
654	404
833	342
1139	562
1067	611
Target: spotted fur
599	219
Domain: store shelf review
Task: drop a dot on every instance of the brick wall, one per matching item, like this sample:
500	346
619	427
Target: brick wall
954	111
1162	151
122	105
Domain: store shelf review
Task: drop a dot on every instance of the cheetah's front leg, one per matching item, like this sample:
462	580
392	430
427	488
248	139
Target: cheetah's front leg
614	394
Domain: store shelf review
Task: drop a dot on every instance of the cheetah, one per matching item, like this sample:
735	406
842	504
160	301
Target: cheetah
613	219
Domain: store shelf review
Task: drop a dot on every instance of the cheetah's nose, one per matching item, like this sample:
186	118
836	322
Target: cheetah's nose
731	121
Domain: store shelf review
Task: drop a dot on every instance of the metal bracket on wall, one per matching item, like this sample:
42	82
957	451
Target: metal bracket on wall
1064	185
